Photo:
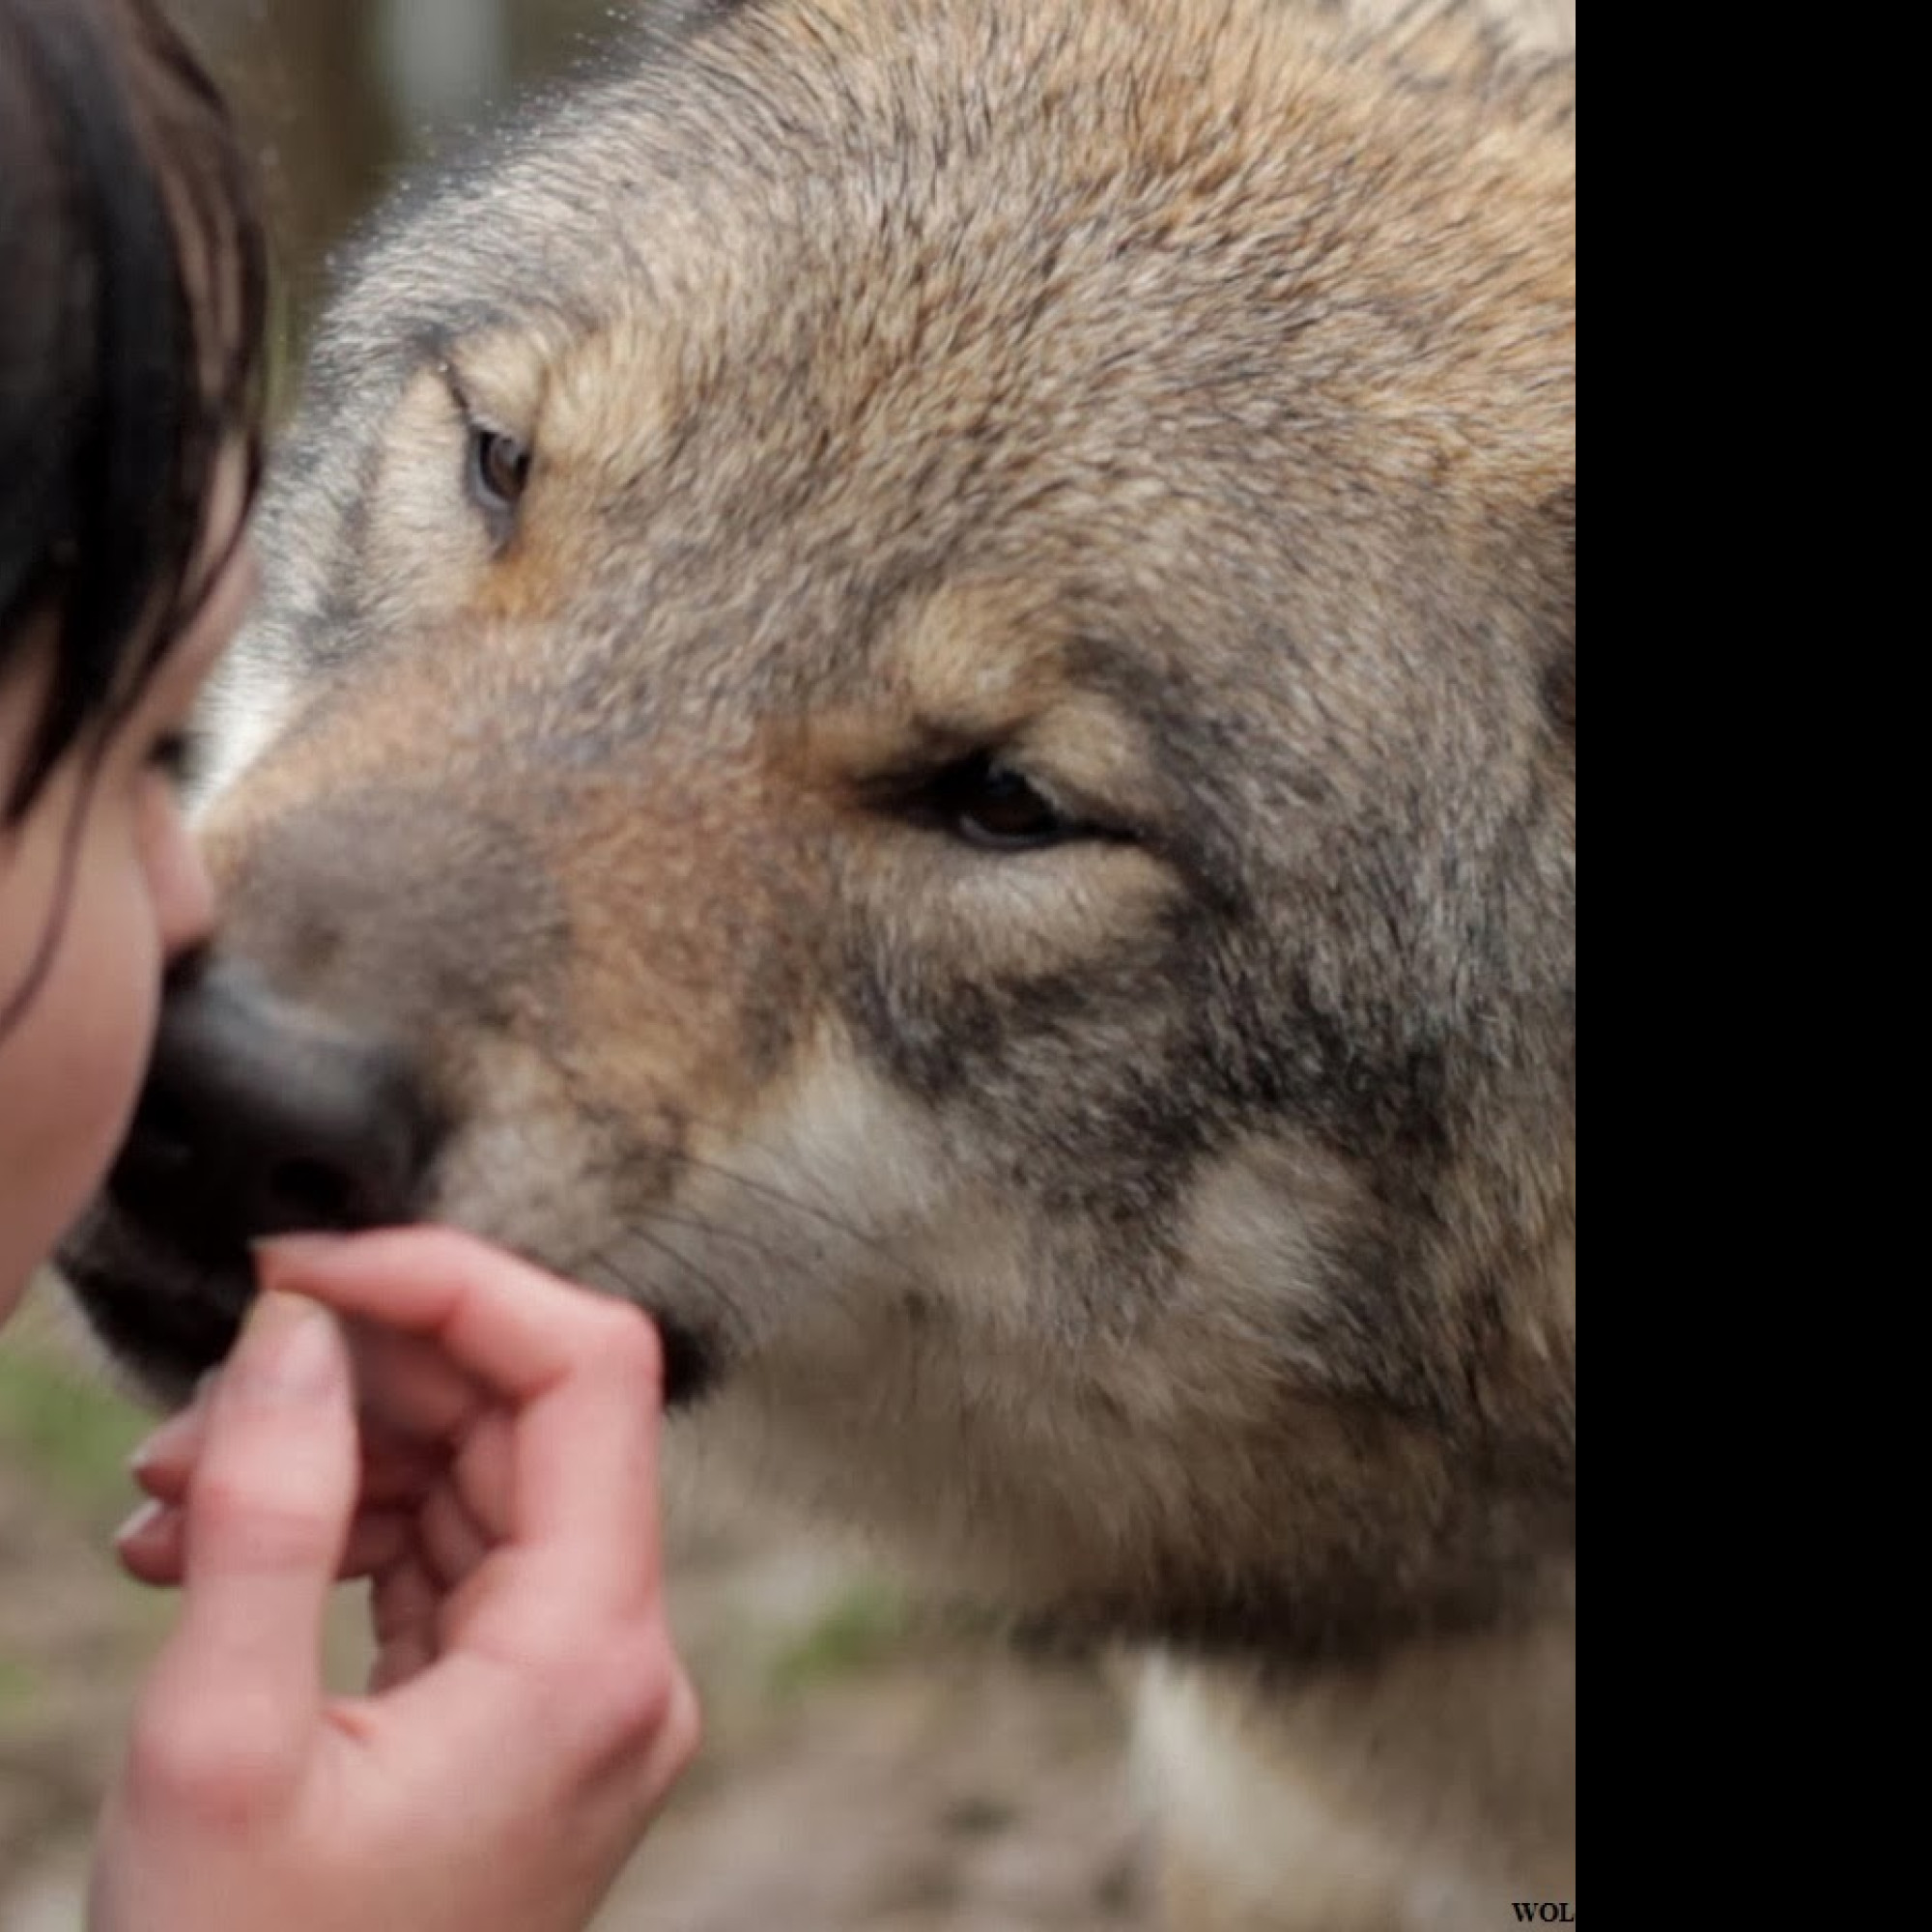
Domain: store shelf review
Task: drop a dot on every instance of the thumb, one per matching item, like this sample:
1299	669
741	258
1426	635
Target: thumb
269	1510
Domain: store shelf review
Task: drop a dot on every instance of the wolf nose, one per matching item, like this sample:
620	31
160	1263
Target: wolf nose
261	1117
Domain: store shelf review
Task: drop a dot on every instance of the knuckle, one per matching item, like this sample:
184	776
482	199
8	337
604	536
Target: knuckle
683	1731
212	1763
622	1338
254	1526
452	1251
638	1701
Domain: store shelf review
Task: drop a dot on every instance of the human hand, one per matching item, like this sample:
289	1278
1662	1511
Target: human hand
528	1713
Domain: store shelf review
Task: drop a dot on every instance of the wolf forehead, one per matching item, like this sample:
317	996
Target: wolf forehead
1089	297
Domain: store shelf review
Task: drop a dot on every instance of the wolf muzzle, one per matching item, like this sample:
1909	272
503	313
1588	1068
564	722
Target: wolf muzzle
258	1117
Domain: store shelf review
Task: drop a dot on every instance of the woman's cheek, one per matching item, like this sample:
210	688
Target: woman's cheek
116	992
178	887
74	1061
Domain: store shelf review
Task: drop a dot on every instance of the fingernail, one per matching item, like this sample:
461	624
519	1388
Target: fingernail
171	1436
272	1252
288	1350
168	1436
142	1521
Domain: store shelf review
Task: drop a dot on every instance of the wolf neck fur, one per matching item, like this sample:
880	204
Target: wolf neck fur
1426	1787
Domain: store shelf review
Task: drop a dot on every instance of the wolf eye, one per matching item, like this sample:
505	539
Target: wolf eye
499	467
991	805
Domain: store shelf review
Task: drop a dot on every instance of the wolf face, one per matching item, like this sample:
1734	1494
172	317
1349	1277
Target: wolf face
917	703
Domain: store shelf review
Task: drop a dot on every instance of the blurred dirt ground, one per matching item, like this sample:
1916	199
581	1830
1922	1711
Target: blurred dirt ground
870	1765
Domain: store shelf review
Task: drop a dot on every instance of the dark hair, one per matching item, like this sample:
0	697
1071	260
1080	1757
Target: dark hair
132	308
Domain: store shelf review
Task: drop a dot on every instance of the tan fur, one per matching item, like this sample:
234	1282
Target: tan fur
1167	1232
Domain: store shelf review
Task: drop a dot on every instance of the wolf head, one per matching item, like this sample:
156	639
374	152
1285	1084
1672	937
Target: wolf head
917	703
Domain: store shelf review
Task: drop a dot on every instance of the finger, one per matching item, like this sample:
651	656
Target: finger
404	1598
484	1471
266	1523
153	1544
452	1542
678	1737
375	1540
411	1398
163	1465
515	1329
618	1703
582	1372
400	1661
403	1605
396	1473
409	1390
393	1472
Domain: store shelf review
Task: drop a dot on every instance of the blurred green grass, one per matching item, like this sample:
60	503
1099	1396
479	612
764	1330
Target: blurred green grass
20	1689
65	1426
866	1623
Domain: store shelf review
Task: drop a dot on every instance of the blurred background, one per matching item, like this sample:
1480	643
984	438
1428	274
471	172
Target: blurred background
872	1764
344	95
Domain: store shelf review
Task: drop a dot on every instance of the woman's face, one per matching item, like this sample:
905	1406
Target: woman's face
101	866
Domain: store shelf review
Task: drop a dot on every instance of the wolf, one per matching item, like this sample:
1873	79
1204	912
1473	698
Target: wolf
917	703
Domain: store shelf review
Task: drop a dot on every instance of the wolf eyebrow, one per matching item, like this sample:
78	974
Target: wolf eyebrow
439	347
442	340
452	380
476	418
